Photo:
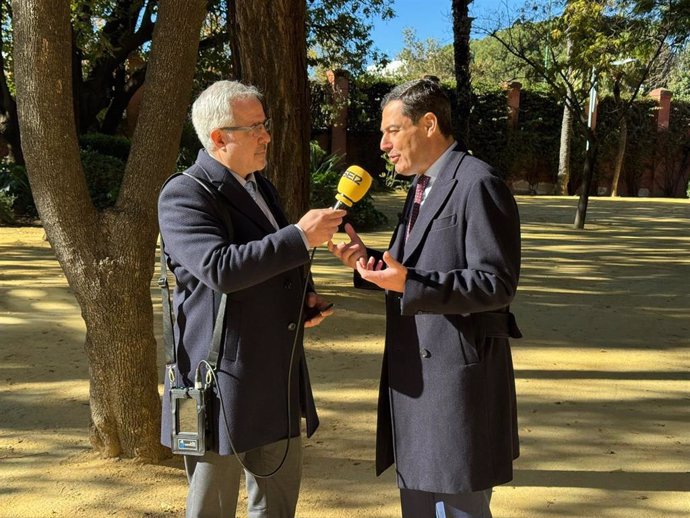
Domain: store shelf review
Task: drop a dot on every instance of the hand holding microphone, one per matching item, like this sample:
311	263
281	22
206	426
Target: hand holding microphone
319	225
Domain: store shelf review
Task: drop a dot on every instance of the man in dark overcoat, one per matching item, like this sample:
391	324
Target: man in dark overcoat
447	407
225	232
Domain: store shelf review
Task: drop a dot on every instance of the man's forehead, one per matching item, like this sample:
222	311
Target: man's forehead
392	115
247	107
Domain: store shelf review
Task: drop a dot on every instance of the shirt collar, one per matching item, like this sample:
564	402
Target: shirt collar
243	181
435	168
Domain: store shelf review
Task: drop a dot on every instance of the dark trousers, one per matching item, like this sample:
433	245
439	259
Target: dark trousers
423	504
214	482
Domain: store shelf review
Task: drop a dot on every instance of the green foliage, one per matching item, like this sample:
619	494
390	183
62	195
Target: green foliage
339	32
325	172
6	211
103	177
110	145
189	147
492	64
679	78
391	179
425	57
14	183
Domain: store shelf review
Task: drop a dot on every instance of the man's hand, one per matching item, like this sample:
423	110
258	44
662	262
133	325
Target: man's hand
319	225
316	301
349	253
392	278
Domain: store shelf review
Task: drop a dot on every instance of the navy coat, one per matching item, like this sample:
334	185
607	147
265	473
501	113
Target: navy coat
225	244
447	408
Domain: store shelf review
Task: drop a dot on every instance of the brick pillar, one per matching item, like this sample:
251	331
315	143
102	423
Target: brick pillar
513	90
663	98
339	81
652	181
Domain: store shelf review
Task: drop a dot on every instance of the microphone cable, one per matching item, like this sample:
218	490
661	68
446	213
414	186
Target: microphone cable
211	376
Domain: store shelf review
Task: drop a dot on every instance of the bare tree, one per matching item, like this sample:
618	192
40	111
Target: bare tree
108	255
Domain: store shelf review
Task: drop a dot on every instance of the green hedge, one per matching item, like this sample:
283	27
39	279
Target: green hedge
529	152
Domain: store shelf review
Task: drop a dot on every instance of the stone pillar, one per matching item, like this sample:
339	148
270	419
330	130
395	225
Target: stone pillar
339	81
513	90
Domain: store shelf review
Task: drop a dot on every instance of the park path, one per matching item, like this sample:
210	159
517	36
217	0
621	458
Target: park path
602	376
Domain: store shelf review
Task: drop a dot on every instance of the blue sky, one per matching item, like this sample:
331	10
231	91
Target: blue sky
432	19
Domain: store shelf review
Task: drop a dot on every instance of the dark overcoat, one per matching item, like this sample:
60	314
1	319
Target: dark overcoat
225	244
447	407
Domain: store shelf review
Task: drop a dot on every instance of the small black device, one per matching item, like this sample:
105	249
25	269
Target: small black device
190	426
310	313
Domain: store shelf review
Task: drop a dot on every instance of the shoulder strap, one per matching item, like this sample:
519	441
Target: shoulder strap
168	318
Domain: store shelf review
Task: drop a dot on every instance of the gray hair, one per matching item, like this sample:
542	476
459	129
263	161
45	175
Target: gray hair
213	108
422	96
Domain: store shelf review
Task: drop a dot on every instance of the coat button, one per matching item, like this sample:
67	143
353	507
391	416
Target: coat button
424	353
292	326
287	285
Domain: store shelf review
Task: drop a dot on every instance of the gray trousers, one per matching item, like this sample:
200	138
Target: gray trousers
214	482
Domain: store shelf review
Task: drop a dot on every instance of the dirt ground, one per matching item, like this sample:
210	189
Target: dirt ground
602	377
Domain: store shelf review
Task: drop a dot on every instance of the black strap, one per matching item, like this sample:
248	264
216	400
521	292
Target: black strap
168	317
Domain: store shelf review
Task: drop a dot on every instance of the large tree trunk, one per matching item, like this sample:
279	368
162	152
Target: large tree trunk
462	25
272	36
564	152
107	256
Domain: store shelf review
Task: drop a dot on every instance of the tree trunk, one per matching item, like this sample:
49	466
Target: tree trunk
107	256
564	152
620	155
587	174
272	36
462	25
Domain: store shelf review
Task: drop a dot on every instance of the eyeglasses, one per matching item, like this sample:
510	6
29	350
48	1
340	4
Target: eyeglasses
254	129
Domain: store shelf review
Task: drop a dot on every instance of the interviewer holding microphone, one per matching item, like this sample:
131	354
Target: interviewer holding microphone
225	232
447	411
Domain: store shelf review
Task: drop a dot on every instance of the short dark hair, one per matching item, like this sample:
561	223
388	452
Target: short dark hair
422	96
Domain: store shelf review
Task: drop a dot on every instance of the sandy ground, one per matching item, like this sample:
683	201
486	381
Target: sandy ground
602	376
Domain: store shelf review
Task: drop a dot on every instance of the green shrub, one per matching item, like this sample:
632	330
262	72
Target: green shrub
103	177
110	145
325	172
6	211
15	184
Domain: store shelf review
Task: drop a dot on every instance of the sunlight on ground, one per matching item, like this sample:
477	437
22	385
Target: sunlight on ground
602	378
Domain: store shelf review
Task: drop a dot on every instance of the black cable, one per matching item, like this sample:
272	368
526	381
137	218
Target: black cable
210	372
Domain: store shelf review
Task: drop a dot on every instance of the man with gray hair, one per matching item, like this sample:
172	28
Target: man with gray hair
225	233
447	409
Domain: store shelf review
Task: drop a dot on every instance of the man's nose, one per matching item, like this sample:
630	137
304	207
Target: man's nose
385	144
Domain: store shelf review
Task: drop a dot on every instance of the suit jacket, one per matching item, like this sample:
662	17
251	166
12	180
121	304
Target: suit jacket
225	244
447	408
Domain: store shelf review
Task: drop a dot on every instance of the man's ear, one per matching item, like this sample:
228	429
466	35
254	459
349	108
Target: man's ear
218	138
430	123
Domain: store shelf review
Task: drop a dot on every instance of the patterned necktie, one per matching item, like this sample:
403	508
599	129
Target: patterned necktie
418	195
251	188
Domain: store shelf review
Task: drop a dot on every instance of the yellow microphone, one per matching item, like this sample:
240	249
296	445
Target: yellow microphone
353	185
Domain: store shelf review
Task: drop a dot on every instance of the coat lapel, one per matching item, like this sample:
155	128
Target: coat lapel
440	191
232	191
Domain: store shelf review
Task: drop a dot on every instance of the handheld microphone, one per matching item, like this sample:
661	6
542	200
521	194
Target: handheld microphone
353	185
